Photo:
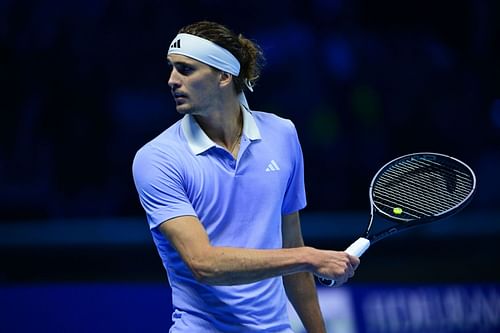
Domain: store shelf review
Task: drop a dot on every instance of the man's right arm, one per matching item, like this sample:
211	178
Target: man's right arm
230	265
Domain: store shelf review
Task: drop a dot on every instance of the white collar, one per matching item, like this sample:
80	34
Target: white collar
199	142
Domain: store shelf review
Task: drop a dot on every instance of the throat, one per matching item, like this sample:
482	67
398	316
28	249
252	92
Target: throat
235	149
233	146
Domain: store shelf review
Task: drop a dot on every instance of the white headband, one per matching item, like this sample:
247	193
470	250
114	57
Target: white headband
206	52
210	54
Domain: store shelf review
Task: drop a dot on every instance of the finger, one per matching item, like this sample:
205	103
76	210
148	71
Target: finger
351	272
354	261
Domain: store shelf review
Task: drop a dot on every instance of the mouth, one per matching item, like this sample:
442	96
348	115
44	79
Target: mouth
177	94
179	97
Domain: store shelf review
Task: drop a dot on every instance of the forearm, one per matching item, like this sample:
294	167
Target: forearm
301	291
229	266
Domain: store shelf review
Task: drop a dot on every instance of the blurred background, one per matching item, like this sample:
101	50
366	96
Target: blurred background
83	86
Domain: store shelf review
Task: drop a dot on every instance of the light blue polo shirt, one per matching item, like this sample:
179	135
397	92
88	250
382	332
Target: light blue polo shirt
240	203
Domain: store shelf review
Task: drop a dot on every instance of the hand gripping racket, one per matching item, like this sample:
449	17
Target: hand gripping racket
413	190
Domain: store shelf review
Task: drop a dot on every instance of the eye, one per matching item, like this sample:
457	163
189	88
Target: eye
184	69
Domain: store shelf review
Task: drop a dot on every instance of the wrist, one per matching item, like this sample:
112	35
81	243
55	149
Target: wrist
308	258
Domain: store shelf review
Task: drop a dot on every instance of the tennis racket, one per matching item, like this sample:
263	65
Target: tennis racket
413	190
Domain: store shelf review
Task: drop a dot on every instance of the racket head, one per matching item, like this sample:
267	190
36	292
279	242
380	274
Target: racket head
421	187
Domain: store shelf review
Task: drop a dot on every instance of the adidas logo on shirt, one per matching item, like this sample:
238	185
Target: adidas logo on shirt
273	166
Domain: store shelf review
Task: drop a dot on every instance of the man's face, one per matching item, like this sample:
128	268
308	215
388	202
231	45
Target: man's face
194	85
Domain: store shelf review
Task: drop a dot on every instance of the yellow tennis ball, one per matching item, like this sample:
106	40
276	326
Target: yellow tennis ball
397	210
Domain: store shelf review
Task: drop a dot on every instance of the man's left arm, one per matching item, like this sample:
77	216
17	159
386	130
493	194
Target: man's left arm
300	287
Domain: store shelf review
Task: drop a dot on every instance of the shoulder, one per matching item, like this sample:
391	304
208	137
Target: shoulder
270	117
279	131
272	122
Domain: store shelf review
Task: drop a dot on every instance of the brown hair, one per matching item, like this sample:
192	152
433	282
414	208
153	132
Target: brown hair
248	53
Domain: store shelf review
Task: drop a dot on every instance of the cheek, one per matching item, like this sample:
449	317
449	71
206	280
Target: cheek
204	88
199	85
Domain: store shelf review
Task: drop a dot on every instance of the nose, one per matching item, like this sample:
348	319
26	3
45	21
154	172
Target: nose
173	80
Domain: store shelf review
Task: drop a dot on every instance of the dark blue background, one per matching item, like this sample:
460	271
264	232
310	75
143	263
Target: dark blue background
83	86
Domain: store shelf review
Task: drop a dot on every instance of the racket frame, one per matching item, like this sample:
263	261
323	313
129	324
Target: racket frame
404	224
363	243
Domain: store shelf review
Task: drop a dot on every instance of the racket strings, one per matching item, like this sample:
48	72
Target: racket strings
429	183
445	182
415	193
443	177
422	188
450	173
411	203
462	182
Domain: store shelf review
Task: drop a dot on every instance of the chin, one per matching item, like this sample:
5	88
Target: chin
183	109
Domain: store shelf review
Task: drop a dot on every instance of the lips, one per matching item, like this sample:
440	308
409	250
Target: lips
179	97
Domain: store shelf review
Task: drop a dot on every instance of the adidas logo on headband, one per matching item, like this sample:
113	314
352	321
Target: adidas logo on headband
176	44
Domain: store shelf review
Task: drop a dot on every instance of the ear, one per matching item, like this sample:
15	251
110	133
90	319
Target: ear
225	79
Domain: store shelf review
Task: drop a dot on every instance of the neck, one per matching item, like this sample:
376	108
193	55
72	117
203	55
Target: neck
224	125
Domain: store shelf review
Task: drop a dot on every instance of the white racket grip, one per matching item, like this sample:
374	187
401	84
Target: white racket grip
358	247
355	249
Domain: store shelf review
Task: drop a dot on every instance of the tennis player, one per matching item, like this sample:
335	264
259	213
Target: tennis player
222	189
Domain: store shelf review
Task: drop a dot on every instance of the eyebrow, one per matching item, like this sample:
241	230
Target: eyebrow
180	62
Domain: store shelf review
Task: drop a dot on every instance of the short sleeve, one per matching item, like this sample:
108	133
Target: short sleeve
295	195
159	183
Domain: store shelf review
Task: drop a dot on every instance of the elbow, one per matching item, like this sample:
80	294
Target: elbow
202	276
204	271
